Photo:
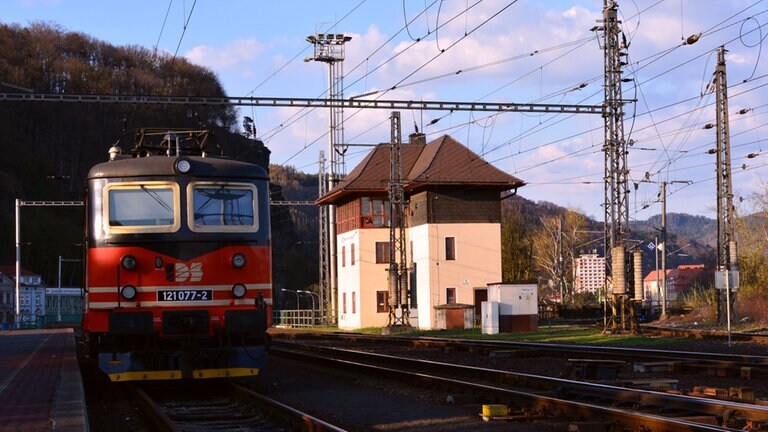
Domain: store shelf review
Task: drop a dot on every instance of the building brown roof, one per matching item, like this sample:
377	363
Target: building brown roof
441	162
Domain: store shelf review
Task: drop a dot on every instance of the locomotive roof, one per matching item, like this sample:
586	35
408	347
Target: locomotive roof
164	166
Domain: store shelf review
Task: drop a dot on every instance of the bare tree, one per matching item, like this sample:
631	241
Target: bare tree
554	248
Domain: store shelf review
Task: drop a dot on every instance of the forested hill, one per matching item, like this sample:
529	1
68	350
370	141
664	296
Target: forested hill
701	228
48	148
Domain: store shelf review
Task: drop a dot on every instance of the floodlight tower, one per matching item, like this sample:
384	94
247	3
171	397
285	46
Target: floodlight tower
329	48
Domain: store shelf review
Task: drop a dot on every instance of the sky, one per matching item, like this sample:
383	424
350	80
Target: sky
499	51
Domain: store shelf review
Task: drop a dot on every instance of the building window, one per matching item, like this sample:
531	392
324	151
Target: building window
450	295
450	248
354	303
382	252
352	254
348	216
374	212
344	303
382	301
343	256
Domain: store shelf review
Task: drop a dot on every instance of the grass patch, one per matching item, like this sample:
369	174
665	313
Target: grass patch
557	334
561	334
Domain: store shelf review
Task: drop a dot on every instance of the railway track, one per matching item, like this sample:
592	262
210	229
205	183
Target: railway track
686	359
222	407
537	396
761	337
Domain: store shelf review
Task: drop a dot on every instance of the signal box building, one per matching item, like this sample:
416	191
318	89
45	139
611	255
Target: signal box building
453	230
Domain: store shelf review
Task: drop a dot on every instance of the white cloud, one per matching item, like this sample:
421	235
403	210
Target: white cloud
235	55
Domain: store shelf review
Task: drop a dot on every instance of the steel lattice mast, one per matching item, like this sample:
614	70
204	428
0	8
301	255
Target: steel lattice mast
727	259
326	300
398	273
616	170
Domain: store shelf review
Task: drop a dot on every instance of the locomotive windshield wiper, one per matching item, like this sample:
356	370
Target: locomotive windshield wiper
157	198
211	196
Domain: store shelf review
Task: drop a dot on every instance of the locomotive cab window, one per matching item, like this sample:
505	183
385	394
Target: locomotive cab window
141	207
222	207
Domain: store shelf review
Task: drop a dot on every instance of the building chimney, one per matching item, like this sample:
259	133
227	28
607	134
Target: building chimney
417	138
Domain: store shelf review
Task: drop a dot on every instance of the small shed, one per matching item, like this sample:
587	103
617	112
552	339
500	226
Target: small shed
454	316
518	306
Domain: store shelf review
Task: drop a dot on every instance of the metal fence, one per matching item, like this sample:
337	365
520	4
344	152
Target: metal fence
297	318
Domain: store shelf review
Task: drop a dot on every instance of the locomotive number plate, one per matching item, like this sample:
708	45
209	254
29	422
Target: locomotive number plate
184	295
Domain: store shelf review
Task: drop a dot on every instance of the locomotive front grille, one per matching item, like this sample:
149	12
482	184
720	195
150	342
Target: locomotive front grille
193	322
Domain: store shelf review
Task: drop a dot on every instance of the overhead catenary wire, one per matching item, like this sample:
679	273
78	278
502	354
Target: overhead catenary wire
672	147
162	27
429	61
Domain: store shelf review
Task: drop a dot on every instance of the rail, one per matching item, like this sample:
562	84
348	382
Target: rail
653	410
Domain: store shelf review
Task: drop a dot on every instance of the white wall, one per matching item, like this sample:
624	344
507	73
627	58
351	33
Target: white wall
478	263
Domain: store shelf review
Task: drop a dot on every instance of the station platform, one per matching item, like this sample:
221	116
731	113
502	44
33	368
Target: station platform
41	388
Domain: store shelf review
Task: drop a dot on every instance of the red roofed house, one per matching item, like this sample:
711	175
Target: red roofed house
678	281
453	230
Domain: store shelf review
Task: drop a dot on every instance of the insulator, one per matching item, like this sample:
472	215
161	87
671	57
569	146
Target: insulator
618	270
393	297
692	39
404	288
637	262
732	253
114	151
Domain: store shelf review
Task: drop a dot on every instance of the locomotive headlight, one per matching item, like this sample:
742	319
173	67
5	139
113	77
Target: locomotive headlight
128	292
238	290
183	166
128	262
238	260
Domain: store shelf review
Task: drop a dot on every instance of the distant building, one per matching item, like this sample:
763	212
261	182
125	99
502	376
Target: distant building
31	295
589	274
678	282
453	230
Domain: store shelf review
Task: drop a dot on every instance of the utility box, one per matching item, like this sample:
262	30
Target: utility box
518	306
455	316
490	317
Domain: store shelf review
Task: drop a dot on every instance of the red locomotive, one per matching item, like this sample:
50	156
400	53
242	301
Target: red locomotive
178	261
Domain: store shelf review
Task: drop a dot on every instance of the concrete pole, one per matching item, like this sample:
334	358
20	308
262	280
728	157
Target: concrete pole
664	249
58	296
18	263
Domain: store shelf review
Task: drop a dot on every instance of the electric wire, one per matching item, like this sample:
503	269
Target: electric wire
167	12
474	120
184	29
